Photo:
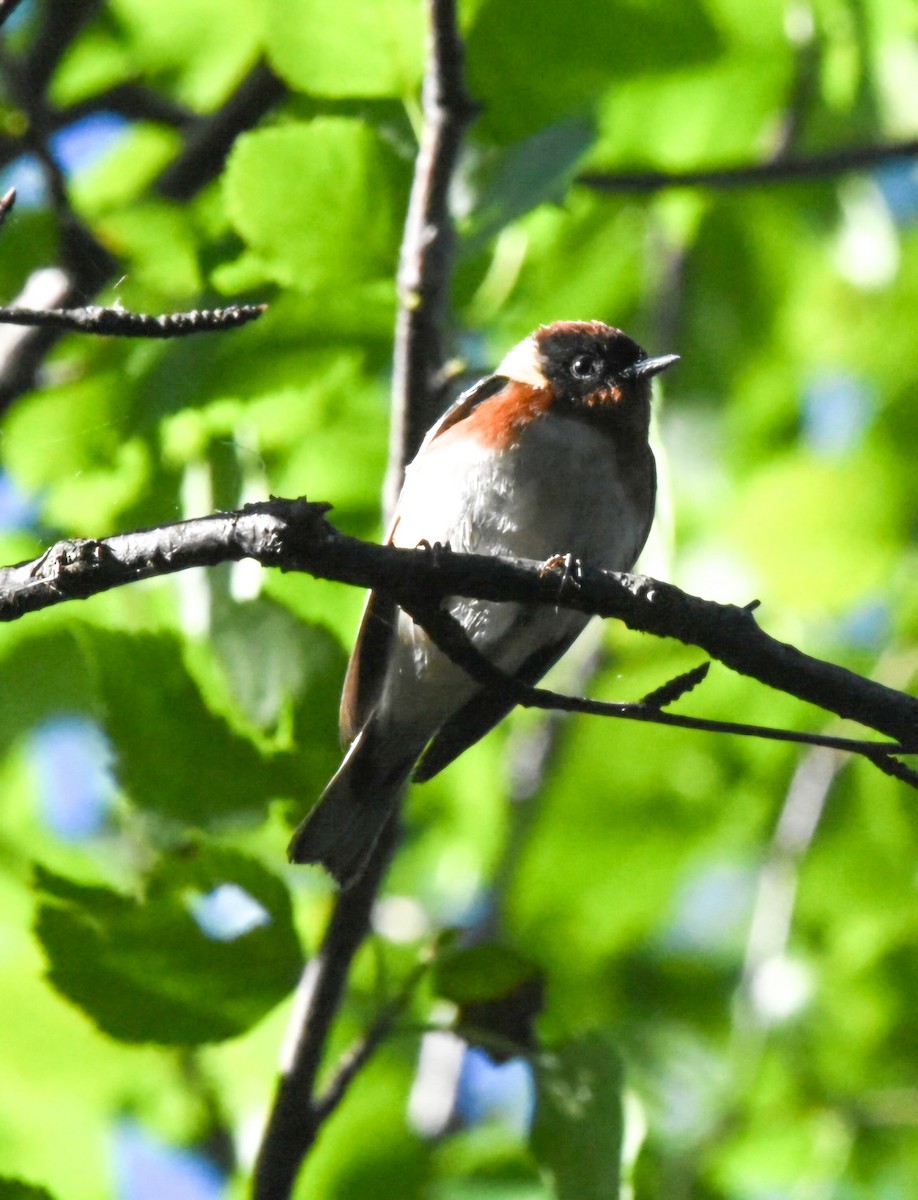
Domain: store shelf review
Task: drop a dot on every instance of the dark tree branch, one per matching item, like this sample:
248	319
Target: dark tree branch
295	536
211	138
782	170
423	281
450	636
61	21
297	1115
360	1054
423	274
131	100
118	322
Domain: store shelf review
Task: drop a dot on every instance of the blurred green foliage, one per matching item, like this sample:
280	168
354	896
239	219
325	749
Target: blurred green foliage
727	930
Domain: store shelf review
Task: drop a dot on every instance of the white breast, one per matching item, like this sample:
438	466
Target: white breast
557	491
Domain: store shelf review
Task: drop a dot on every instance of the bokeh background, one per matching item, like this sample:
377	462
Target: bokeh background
727	929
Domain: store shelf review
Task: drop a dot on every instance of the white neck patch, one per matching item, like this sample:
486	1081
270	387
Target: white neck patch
520	364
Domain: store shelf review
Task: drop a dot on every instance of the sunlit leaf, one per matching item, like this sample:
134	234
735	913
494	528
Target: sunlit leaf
354	49
318	202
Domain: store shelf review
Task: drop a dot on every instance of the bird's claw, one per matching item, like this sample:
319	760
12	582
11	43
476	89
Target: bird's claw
437	550
569	568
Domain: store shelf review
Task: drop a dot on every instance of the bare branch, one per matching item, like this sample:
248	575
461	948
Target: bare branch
118	322
295	536
131	100
782	170
296	1116
87	264
451	637
423	281
209	140
423	275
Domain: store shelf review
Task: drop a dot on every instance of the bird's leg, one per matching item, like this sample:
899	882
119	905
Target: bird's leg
569	568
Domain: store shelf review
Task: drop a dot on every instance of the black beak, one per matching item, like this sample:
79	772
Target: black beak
649	367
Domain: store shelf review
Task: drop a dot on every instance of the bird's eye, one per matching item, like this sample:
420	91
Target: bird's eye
586	366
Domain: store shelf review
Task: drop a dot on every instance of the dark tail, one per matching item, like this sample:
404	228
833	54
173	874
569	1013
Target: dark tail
349	816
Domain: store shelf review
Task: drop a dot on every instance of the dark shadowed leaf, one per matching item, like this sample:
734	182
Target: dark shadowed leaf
483	972
15	1189
203	954
530	70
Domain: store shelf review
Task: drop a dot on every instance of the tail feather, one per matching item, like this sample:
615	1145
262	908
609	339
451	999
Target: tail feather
349	816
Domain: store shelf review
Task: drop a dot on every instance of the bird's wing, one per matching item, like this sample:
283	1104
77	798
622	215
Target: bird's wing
479	715
367	667
464	405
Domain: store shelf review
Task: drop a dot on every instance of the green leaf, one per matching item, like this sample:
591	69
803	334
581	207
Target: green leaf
485	972
320	203
350	48
577	1133
528	72
174	756
96	61
72	445
198	46
145	970
157	240
269	657
512	182
15	1189
130	167
584	259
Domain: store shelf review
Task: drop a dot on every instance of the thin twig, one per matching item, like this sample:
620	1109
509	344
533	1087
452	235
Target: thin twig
55	33
453	640
88	265
676	688
898	770
296	1116
118	322
360	1054
785	170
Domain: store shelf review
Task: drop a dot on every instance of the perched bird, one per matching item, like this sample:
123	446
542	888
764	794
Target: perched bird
548	456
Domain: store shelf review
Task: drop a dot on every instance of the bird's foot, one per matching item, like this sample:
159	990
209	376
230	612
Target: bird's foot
569	568
437	550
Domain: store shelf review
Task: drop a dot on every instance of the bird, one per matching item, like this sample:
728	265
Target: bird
547	458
